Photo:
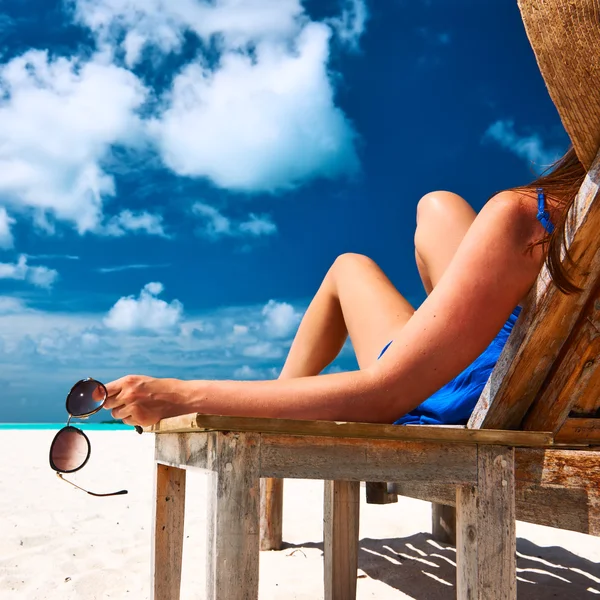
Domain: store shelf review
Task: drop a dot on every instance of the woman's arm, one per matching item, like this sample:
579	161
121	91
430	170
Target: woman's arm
490	273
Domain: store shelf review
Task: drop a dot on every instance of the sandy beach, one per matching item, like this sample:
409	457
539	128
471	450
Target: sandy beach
59	543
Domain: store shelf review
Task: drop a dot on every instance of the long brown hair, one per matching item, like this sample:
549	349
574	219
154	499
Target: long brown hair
561	183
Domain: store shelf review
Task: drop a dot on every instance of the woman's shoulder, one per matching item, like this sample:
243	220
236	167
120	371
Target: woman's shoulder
518	209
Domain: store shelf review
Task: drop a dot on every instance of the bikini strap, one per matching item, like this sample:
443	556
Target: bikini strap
543	216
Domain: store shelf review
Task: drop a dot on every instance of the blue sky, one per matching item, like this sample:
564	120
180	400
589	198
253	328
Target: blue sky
176	177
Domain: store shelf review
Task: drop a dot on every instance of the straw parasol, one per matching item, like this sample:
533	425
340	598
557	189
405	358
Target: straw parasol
565	36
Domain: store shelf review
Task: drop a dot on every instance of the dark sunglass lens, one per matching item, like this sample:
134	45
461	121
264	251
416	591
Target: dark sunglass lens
86	397
69	451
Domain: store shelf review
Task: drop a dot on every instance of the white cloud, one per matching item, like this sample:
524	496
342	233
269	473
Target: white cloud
134	222
528	147
216	225
351	23
21	271
280	319
145	313
6	237
130	267
258	225
58	120
9	305
246	372
258	123
133	25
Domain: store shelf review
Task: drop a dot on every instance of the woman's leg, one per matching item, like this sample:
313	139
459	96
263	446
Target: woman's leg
355	299
443	219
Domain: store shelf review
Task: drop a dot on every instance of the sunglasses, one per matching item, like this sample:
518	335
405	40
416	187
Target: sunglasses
71	449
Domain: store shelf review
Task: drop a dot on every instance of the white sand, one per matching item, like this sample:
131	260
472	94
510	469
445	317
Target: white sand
59	543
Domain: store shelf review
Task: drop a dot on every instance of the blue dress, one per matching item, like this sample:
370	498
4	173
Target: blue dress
454	403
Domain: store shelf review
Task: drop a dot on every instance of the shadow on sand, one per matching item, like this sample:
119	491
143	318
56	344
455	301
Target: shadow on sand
423	569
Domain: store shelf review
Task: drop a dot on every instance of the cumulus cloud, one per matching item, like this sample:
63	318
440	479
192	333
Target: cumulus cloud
128	221
6	237
280	319
259	122
215	224
144	313
58	119
528	147
38	276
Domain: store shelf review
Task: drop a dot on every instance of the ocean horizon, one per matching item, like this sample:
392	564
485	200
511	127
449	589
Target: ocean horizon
79	424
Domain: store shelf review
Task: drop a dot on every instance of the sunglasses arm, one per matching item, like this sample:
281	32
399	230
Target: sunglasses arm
120	493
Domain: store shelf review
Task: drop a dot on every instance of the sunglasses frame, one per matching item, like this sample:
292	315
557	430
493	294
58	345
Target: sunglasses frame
89	449
59	472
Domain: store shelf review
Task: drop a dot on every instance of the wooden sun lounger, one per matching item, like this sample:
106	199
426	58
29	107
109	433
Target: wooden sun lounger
527	453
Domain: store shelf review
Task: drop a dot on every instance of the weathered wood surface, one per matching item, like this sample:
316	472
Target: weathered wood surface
571	380
378	492
581	431
546	321
233	517
496	538
271	513
556	488
198	422
340	534
308	457
167	542
183	449
467	581
443	523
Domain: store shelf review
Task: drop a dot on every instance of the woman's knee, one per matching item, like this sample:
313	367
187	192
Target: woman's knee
441	205
349	264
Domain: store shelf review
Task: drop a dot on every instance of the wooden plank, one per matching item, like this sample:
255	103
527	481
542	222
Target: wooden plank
546	321
443	523
183	449
467	581
579	431
340	535
458	434
575	509
167	542
271	513
572	377
377	492
325	458
496	540
233	517
563	468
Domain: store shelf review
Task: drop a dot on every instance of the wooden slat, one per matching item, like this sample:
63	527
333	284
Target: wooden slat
582	431
307	457
460	435
443	523
574	509
183	449
546	321
167	535
271	513
341	515
572	377
233	517
564	468
467	582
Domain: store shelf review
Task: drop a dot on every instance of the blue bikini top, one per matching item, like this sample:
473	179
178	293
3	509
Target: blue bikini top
543	216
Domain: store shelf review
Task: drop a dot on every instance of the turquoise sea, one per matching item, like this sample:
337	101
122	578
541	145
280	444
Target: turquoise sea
79	424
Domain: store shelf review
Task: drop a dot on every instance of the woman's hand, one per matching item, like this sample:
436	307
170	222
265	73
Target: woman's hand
141	400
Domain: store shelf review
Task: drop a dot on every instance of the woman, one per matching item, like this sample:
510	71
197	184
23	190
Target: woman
477	271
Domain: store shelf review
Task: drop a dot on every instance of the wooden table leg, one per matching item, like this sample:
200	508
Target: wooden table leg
271	513
167	543
340	531
443	523
233	517
486	545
